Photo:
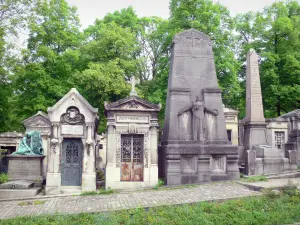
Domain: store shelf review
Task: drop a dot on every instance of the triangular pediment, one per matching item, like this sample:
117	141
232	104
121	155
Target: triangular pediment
73	95
292	114
191	33
132	103
38	120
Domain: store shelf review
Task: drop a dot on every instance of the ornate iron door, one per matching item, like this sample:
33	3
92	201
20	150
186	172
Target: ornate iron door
132	155
71	162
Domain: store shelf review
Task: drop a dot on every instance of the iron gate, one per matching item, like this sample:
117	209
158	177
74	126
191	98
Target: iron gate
132	155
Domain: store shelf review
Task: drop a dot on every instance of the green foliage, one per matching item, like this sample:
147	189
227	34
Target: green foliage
2	152
3	178
290	189
260	210
159	184
45	72
274	34
254	179
100	175
99	60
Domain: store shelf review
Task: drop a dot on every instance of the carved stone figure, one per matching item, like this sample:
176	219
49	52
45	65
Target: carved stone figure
198	110
31	144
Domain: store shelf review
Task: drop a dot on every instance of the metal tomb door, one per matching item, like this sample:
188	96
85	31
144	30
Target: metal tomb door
132	154
71	162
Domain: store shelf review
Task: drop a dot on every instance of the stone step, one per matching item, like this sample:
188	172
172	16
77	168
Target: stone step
19	193
17	184
287	174
70	190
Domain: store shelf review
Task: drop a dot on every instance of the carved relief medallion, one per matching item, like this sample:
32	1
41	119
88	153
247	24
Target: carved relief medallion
72	116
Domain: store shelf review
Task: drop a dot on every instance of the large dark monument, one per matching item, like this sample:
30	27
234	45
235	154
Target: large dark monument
195	147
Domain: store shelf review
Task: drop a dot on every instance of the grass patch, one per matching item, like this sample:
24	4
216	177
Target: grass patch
36	202
3	178
99	192
261	210
254	179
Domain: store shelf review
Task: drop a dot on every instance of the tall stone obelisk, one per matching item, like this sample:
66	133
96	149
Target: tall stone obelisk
255	125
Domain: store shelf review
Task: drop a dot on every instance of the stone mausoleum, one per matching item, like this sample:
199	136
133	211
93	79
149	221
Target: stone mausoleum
71	157
131	143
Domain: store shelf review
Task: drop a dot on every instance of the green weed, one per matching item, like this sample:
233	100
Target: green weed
3	178
254	179
99	192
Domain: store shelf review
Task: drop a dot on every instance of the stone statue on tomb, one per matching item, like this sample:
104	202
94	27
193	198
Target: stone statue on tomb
31	144
133	82
198	110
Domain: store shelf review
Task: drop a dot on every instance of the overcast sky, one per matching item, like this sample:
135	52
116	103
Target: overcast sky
89	10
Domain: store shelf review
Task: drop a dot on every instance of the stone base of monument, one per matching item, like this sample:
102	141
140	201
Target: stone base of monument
25	174
26	167
18	189
269	162
196	163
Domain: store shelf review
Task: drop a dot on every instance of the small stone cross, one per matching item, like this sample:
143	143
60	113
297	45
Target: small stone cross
133	82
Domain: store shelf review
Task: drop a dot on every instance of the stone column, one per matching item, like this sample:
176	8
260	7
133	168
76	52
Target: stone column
55	130
89	153
53	183
111	145
153	144
54	163
89	175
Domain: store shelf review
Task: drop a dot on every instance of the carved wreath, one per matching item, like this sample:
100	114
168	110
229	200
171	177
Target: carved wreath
72	116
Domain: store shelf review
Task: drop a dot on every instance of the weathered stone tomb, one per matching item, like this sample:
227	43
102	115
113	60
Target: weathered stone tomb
71	157
195	146
261	158
131	143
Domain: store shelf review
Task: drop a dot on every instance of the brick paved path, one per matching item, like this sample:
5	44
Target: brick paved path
118	201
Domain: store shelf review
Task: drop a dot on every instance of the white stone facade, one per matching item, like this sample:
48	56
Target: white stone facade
231	120
277	133
72	119
135	120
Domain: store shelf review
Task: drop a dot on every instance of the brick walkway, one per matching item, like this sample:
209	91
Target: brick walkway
118	201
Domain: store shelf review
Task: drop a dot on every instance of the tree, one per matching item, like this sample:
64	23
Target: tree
14	14
109	42
274	33
4	85
46	70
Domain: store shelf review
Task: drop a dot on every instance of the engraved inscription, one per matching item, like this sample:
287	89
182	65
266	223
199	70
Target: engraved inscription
72	129
189	151
132	119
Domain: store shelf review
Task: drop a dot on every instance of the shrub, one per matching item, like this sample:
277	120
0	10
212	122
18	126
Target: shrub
100	175
290	189
3	178
2	152
160	183
270	193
